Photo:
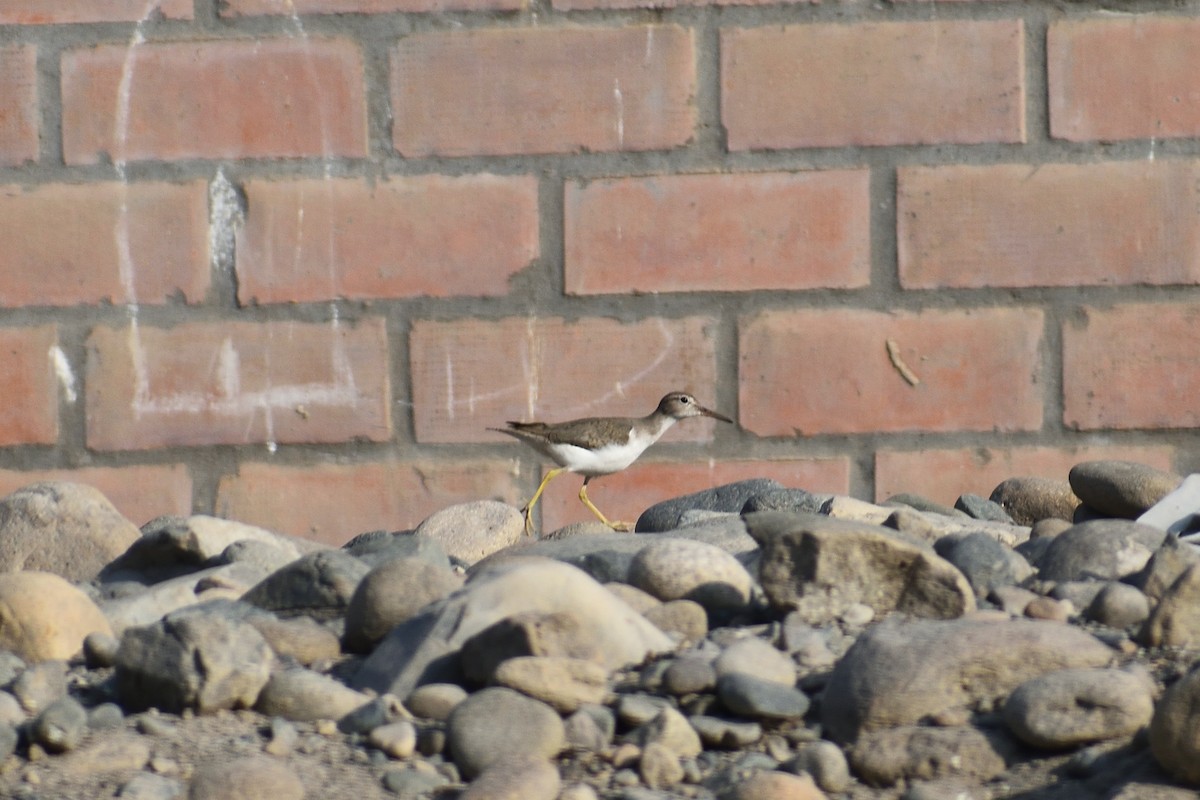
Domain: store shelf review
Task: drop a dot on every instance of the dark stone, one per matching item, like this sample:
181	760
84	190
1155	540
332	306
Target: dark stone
786	500
756	698
978	507
318	584
731	497
1123	489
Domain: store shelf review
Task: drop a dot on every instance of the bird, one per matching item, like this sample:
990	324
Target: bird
596	446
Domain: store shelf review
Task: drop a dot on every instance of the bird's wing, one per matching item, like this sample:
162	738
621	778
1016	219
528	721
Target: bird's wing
578	432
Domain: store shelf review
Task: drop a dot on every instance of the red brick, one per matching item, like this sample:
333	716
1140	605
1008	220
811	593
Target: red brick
739	232
596	89
572	5
1135	77
944	475
245	8
625	495
470	374
89	243
430	235
237	383
271	98
49	12
333	503
1132	366
832	85
1115	223
18	104
803	373
141	493
29	413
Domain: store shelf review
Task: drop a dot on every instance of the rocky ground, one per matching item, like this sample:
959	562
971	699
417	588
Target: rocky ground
751	642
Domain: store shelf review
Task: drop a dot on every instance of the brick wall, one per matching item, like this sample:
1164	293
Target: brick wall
287	261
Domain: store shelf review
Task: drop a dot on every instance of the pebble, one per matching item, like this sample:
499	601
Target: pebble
1175	621
397	739
1175	730
753	697
825	762
245	778
1119	605
472	531
758	659
1102	549
686	618
1028	500
681	569
497	724
659	766
40	685
1078	706
565	684
910	752
60	726
689	675
304	696
773	785
435	700
671	730
1121	488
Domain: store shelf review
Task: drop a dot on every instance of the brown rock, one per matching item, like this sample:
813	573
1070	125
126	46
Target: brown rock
42	617
1028	500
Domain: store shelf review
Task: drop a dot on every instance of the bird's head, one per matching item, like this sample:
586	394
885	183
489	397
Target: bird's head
681	405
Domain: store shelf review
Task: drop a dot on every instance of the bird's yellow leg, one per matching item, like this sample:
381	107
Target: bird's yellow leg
528	509
616	526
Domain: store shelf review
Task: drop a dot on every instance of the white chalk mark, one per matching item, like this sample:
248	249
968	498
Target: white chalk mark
225	216
649	54
620	104
1151	157
66	377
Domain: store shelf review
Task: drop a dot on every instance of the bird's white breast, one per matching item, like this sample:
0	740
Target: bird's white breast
603	461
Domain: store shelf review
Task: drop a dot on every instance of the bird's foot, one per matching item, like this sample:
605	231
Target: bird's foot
527	512
623	527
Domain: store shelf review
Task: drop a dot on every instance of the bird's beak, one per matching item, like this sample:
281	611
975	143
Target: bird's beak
708	412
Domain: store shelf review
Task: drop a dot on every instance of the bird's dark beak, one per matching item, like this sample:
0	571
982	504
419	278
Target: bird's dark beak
708	412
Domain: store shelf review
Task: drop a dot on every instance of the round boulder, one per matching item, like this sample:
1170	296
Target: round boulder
43	617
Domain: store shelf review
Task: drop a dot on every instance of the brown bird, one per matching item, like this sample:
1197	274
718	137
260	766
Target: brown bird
596	446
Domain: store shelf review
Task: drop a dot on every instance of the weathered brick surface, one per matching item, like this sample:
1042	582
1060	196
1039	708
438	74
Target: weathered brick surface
47	12
1132	366
430	235
597	89
237	383
1131	222
834	85
120	242
734	232
819	372
1131	77
235	8
573	5
333	503
228	99
141	493
469	375
944	475
18	104
29	413
625	495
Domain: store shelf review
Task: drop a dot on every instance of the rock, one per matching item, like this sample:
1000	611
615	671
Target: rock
60	726
376	712
725	734
1121	488
472	531
379	547
42	617
1175	621
40	685
559	634
397	739
773	785
921	526
68	529
252	778
978	507
192	659
1175	730
106	716
919	503
1049	608
759	659
497	725
685	618
666	515
749	696
100	649
604	556
435	700
901	672
725	531
820	566
785	500
283	738
302	695
633	597
1028	500
680	569
566	684
319	585
586	730
112	753
659	767
825	762
671	730
1119	605
1177	512
1165	567
413	784
984	562
1012	599
1103	549
520	779
910	752
423	649
1078	706
227	582
148	786
689	675
392	593
302	638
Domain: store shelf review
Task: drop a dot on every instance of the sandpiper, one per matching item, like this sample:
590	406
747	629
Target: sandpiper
597	446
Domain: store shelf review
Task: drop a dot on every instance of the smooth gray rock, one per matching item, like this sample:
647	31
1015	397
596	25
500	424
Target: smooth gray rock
1165	567
826	762
1071	707
560	634
302	695
903	671
60	726
1119	605
496	725
785	500
666	515
149	786
748	696
1123	489
378	711
565	684
984	562
249	777
758	658
529	778
604	556
680	569
1104	549
379	547
909	752
192	659
924	504
821	566
1028	500
689	675
1175	621
726	734
319	585
978	507
475	530
40	685
223	581
425	649
392	593
671	730
1175	730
